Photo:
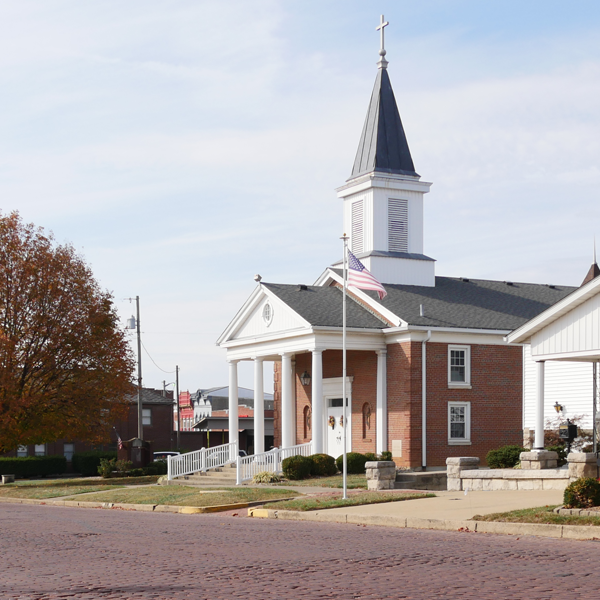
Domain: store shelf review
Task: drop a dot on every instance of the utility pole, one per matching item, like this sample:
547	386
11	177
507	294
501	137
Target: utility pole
178	407
139	344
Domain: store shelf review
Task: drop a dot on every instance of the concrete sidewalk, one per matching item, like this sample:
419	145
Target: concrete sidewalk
458	506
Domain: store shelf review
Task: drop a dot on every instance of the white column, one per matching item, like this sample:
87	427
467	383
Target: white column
233	407
381	411
286	400
259	407
318	418
538	443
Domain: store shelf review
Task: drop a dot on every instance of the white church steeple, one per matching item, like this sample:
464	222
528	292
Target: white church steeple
383	198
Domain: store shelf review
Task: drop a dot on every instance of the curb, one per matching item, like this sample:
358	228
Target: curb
571	532
183	510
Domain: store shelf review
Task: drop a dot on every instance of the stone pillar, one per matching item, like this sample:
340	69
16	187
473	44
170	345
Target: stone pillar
286	401
538	444
259	407
381	474
318	419
381	409
233	408
539	459
455	466
582	464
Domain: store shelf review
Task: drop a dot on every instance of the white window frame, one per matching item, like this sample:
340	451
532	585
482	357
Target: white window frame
68	453
39	449
466	441
466	384
146	416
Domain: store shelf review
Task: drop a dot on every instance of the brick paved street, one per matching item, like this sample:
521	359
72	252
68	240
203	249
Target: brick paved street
51	552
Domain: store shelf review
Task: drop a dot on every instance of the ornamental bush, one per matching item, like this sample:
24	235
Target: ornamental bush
371	456
582	493
266	477
386	455
506	457
297	467
87	463
323	465
33	466
561	450
355	461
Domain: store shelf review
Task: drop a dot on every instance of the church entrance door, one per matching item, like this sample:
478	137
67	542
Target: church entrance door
335	440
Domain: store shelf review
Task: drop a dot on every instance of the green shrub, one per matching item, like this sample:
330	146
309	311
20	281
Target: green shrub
297	467
371	456
386	455
355	462
87	463
323	465
266	477
158	467
33	466
136	472
506	457
582	493
561	450
107	466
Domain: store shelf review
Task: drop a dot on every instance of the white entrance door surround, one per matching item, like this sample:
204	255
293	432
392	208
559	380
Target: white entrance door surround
332	395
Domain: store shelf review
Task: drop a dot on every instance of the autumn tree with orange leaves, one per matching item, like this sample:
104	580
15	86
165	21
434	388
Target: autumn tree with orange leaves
65	364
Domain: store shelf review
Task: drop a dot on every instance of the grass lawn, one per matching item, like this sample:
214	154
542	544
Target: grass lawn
55	488
188	496
320	502
335	481
542	514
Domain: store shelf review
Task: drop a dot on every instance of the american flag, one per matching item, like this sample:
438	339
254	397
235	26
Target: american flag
119	440
359	277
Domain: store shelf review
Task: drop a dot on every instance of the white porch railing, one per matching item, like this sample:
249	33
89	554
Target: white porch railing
201	460
249	466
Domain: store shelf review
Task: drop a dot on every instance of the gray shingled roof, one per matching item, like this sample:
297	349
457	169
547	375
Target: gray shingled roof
453	302
150	396
322	306
383	146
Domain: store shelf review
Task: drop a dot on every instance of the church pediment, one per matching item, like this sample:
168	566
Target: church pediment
263	315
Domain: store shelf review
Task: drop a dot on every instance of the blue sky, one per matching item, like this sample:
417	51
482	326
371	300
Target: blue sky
183	147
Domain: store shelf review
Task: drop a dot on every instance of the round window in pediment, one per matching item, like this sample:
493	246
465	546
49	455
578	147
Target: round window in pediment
267	314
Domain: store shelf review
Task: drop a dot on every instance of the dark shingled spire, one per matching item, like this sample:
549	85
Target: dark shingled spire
383	147
592	273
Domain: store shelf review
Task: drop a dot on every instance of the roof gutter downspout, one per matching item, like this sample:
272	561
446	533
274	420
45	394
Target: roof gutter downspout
424	400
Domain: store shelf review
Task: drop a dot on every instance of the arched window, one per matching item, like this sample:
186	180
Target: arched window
366	420
307	416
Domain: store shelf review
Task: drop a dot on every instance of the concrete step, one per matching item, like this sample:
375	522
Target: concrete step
426	480
221	476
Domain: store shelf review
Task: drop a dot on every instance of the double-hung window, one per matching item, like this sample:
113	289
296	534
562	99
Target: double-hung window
146	416
459	366
459	423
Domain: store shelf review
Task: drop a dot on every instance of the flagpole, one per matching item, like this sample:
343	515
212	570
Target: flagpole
345	425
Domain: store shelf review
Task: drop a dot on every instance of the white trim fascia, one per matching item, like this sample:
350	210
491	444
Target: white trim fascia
579	356
267	337
303	341
378	180
502	332
567	304
248	307
373	304
445	335
324	278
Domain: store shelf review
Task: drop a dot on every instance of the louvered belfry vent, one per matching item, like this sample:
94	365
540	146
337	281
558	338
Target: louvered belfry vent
357	227
397	225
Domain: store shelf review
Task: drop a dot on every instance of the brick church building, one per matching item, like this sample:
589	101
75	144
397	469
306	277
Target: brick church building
429	372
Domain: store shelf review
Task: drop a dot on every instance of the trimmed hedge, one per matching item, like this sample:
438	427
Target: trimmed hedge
506	457
297	467
323	465
355	462
87	463
33	466
582	493
561	450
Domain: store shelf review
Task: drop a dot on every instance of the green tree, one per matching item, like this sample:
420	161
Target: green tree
65	364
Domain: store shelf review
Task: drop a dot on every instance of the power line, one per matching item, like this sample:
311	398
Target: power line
148	353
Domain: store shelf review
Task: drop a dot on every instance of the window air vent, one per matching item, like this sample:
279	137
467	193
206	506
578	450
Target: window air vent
357	227
397	225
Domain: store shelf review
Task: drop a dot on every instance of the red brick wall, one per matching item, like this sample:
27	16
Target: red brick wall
495	397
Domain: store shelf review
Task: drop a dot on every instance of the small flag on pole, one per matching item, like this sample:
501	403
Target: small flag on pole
359	277
119	440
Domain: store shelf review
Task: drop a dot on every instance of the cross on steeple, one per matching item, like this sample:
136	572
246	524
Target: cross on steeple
382	64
